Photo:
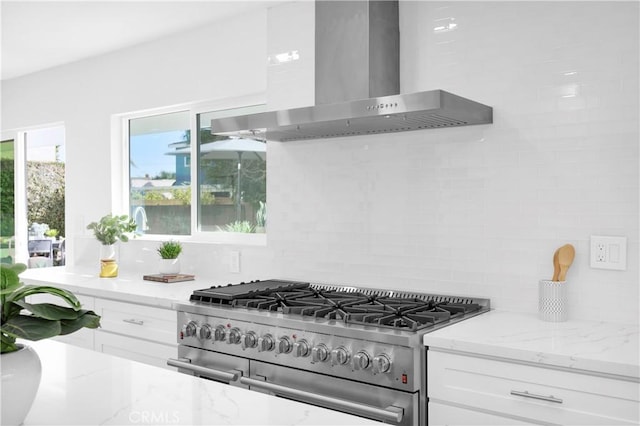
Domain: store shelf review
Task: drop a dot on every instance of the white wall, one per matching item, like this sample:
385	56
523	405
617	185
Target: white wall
472	211
216	61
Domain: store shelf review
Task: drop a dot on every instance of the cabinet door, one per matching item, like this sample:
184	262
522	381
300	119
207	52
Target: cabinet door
135	349
83	337
543	395
444	414
143	322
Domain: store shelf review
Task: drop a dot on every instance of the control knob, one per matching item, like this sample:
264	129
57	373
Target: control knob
320	353
301	348
204	332
189	329
284	345
219	333
233	337
339	356
381	364
361	361
266	343
249	340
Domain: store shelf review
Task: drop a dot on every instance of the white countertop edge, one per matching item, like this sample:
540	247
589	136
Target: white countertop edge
601	348
125	288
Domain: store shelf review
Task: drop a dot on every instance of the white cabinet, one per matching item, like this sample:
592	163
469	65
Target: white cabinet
141	333
444	414
465	389
137	332
135	349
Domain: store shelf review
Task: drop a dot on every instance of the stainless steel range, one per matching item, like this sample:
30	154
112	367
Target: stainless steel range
356	350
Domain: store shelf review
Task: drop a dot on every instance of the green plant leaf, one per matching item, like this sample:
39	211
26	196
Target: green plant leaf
88	319
18	268
7	344
10	309
49	310
31	328
9	280
29	290
113	228
169	249
47	319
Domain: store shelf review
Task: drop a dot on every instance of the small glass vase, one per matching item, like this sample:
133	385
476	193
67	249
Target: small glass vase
109	261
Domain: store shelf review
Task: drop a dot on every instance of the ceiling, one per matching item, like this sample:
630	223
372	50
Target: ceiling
37	35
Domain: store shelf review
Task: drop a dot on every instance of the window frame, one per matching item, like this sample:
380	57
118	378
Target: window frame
21	222
120	171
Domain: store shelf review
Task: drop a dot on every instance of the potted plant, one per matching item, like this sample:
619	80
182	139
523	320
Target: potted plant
21	369
109	230
51	234
169	261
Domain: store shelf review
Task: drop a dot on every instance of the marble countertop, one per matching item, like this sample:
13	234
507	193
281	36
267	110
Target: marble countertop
608	348
126	287
83	387
582	345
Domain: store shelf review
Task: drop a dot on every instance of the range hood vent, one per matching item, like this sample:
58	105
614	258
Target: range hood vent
357	103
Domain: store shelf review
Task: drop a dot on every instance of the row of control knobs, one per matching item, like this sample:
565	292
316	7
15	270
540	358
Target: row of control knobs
380	363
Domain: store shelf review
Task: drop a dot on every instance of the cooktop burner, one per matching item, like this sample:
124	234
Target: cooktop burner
352	306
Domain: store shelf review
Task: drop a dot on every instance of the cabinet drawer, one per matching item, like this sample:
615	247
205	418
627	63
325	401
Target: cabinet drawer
537	393
144	322
442	414
135	349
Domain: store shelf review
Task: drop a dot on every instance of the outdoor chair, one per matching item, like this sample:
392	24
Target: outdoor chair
40	253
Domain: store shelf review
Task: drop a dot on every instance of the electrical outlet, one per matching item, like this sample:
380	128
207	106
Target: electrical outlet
601	254
608	252
234	261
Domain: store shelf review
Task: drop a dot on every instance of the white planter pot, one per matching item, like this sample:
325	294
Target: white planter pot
169	266
21	373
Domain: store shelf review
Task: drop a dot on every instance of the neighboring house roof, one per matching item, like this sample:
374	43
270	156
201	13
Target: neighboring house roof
180	144
151	183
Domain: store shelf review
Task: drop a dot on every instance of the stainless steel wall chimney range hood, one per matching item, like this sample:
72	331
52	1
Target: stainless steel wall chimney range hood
357	81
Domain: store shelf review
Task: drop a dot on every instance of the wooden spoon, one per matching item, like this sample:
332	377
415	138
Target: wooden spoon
556	266
566	254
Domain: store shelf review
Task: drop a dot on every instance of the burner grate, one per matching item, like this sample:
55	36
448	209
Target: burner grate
351	305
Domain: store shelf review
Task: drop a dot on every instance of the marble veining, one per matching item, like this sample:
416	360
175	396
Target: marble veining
83	387
599	347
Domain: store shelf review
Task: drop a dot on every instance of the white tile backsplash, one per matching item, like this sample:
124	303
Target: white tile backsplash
480	210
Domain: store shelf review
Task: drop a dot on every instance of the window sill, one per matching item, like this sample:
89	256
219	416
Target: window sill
231	238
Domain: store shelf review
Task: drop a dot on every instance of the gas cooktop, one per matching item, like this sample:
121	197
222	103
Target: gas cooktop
368	307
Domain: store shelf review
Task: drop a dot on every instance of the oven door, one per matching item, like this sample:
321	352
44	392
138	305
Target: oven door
361	399
211	365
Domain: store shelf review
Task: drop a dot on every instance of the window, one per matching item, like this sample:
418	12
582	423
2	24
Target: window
7	204
232	180
32	167
159	180
229	183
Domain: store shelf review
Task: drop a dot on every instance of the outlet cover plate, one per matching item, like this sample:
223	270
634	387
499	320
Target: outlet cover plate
608	252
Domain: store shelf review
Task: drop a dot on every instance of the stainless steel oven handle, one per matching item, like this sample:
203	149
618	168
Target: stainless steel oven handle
185	363
391	413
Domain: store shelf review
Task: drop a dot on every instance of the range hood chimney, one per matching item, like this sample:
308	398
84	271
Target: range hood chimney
357	84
